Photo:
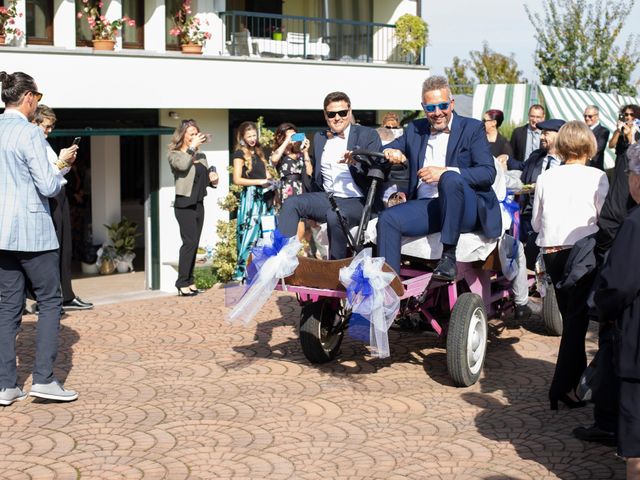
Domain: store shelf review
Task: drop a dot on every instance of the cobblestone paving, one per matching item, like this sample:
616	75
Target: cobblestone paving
169	390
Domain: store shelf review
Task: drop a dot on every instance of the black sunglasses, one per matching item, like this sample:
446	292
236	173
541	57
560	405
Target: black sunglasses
342	113
588	116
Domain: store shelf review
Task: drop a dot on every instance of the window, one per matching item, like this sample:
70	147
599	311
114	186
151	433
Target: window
133	37
39	22
171	8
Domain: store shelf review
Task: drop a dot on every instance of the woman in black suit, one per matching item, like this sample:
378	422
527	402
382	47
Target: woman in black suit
192	177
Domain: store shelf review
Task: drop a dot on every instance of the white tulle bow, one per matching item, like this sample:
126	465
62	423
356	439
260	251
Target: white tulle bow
369	294
279	260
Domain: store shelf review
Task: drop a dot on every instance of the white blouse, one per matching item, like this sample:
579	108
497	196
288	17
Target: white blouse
567	204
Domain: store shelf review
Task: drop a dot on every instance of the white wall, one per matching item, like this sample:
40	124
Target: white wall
215	122
129	79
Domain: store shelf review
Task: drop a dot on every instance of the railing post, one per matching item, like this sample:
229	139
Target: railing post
304	38
369	44
233	33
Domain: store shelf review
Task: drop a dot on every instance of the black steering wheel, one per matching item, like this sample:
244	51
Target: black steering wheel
369	158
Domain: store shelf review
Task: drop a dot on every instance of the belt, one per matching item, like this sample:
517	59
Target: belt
548	250
292	176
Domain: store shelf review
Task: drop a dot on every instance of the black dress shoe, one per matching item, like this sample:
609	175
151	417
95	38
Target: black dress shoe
522	313
595	434
446	271
77	304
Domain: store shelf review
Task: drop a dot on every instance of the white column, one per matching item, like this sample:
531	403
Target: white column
112	9
154	25
21	24
105	185
64	23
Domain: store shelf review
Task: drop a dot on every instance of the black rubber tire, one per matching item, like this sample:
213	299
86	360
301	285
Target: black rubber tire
467	306
551	313
317	344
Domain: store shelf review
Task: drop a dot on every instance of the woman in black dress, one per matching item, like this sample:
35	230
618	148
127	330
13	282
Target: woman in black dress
499	146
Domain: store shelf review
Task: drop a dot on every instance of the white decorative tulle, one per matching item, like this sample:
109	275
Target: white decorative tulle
276	267
381	306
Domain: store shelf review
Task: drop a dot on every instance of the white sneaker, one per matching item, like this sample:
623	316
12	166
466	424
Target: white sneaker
10	395
53	391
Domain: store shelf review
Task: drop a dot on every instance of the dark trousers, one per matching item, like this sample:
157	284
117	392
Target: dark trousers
606	396
190	219
455	211
316	206
572	303
61	216
629	421
43	271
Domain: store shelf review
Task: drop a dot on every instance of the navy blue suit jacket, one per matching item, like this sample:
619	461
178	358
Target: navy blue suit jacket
360	137
468	150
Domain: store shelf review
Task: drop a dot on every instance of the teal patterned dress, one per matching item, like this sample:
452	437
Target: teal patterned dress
254	204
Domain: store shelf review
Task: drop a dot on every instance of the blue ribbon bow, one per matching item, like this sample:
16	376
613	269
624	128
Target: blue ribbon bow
359	284
513	208
264	252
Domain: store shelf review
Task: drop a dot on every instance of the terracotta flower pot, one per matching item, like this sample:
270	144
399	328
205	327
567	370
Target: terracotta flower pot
191	48
101	44
2	40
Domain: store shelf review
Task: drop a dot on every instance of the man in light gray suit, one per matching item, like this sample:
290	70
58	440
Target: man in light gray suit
28	243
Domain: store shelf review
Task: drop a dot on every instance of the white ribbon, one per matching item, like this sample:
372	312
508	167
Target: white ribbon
279	266
381	307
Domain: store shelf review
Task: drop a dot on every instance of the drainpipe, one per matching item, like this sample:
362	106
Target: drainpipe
325	15
422	13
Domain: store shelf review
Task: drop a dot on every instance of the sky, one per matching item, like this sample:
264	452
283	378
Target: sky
459	26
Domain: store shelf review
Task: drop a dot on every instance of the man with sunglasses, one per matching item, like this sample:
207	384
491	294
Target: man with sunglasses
592	119
333	174
28	243
451	172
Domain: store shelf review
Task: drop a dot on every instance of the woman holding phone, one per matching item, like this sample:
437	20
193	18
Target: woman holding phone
291	158
192	176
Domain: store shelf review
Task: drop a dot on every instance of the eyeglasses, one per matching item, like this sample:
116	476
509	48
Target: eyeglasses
390	127
342	113
431	107
590	116
37	95
485	120
628	114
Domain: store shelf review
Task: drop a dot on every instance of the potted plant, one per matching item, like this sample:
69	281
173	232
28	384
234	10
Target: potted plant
8	16
103	30
277	33
412	34
189	29
122	236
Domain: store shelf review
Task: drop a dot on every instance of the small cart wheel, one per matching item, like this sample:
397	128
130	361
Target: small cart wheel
467	340
550	312
321	330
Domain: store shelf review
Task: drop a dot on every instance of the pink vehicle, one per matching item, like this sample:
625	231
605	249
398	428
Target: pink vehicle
458	310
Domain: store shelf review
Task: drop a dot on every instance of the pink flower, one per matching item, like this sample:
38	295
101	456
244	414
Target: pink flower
100	4
132	23
79	15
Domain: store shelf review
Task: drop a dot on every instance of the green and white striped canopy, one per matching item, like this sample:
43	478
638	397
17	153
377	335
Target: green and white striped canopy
564	103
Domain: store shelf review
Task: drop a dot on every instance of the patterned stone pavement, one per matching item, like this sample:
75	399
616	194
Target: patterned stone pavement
168	389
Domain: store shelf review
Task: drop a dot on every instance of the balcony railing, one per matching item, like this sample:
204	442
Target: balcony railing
285	36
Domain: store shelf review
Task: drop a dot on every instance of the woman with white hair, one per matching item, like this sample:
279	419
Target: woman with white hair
566	206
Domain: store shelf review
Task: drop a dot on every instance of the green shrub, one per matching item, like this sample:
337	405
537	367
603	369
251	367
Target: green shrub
205	277
506	129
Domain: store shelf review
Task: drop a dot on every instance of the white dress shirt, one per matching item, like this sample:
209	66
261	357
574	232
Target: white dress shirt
549	162
533	141
435	156
336	176
567	204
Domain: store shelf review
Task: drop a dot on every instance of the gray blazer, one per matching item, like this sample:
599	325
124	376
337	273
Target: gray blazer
184	171
27	178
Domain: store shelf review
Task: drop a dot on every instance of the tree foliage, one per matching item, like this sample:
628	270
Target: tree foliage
578	48
487	65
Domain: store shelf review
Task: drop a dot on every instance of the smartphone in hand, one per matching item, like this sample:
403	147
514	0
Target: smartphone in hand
207	137
298	137
76	141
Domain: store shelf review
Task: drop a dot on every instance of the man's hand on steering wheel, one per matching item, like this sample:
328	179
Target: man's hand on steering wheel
394	156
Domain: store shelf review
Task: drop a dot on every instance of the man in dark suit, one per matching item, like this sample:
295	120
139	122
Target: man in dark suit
451	172
332	174
618	300
526	139
592	119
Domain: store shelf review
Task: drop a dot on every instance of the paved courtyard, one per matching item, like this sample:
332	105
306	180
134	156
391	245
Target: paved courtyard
168	389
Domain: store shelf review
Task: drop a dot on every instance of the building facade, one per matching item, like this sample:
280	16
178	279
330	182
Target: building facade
125	103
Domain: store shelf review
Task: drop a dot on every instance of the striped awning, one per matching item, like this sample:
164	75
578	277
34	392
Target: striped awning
569	104
513	100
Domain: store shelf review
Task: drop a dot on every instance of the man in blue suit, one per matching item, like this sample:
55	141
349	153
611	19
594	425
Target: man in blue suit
28	243
451	172
333	174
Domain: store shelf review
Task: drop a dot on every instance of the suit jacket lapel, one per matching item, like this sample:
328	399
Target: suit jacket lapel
454	138
318	148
